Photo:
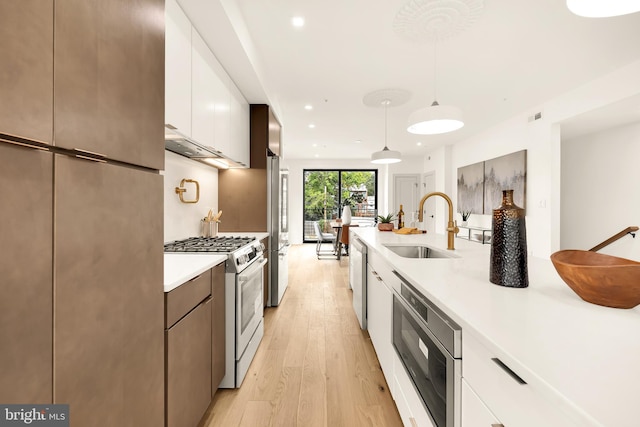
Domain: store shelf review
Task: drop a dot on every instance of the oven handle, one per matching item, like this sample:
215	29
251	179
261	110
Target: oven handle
249	273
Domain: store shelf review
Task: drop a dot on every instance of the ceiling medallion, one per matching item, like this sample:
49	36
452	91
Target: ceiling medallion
435	20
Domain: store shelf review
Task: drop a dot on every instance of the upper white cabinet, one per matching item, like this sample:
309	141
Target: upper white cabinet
240	127
209	96
201	99
177	107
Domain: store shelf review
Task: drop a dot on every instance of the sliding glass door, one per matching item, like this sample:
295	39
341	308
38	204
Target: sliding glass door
326	192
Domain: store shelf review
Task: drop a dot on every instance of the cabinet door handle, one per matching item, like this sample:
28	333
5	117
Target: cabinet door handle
508	370
497	425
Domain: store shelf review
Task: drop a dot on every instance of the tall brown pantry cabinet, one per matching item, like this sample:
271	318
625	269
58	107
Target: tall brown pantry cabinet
82	215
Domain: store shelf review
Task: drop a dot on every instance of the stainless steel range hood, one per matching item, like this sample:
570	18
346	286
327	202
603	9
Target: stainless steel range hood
181	144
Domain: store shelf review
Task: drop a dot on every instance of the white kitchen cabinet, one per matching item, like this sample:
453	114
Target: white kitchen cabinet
207	91
177	107
408	401
510	394
379	320
220	114
474	412
240	124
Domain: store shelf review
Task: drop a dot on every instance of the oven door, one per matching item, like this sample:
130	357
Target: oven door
435	374
249	309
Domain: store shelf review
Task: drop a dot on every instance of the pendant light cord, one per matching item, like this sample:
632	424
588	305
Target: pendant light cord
435	71
386	104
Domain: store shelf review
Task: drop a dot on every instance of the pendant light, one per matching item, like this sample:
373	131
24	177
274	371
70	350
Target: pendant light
435	119
385	156
602	8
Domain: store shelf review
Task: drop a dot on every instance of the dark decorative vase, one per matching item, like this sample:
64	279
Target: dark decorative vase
509	245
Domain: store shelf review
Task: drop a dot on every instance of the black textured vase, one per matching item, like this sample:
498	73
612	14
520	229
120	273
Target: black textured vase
509	245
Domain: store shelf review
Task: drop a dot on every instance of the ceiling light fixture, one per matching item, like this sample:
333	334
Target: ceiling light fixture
308	107
385	156
297	21
435	119
602	8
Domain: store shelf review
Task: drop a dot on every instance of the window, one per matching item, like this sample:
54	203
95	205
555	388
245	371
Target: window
326	192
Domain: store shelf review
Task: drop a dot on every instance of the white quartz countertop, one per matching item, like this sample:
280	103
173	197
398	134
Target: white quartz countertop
581	355
181	267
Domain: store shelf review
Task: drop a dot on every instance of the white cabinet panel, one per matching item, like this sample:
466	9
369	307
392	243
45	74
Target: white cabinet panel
177	107
408	401
206	90
239	148
500	387
474	412
380	309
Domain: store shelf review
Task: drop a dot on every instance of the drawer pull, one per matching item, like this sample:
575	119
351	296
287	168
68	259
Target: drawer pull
497	425
508	370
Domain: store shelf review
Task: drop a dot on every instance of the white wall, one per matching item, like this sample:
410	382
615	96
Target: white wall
182	220
600	190
541	139
296	167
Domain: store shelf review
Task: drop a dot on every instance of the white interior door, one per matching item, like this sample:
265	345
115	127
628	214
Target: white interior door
405	193
429	209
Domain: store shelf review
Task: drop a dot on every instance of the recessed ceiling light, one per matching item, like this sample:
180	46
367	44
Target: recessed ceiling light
314	145
297	21
311	126
308	107
357	141
418	143
316	155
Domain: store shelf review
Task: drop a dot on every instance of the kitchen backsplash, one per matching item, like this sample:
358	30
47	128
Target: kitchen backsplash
182	220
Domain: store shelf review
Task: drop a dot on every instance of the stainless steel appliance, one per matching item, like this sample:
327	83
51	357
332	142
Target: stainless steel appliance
358	279
429	344
244	283
278	220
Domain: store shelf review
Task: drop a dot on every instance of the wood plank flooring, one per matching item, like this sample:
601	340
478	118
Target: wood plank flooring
315	366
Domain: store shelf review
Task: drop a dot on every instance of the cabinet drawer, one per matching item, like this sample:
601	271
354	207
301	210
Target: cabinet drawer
182	299
510	395
474	412
383	269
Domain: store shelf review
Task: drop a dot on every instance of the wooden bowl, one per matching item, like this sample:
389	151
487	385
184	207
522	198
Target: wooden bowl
600	279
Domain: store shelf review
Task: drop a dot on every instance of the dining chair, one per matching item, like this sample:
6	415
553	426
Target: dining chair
323	237
344	237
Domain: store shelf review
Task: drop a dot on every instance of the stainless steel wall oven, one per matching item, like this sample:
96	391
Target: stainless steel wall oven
430	346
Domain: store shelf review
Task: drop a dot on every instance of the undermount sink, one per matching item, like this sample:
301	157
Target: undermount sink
418	251
600	279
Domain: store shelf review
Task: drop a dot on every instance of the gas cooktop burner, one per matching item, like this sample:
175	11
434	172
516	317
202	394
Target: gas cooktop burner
208	244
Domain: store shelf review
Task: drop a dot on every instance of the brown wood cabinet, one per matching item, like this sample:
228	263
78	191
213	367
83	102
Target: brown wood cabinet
188	345
189	367
217	327
26	83
265	134
26	304
97	281
109	78
108	353
242	195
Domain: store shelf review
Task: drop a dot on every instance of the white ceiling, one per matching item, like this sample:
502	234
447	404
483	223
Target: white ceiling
516	55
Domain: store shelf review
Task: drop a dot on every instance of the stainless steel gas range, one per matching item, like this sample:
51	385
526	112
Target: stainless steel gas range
244	284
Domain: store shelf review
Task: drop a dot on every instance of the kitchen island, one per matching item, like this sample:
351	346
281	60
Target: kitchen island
579	360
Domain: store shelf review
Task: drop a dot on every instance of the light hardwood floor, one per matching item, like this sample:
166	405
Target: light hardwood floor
315	366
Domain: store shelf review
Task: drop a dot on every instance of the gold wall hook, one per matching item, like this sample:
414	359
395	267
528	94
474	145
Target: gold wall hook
180	190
